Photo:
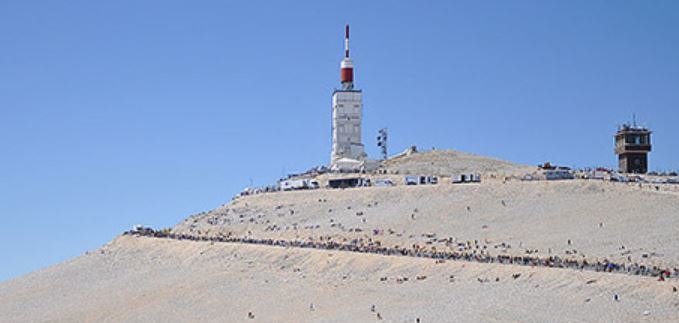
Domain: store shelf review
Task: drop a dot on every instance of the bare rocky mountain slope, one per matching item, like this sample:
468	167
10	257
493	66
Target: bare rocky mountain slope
150	279
447	162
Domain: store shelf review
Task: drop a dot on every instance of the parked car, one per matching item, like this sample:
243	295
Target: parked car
558	174
384	182
466	178
619	178
411	180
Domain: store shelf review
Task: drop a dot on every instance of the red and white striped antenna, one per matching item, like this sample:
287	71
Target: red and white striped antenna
347	65
346	41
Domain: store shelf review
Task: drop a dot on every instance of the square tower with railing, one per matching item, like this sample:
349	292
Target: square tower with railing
632	145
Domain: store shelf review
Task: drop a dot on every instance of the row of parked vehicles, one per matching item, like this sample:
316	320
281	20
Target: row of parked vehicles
598	174
640	179
310	183
553	173
456	179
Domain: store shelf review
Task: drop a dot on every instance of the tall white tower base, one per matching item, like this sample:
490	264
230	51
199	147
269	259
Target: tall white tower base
347	111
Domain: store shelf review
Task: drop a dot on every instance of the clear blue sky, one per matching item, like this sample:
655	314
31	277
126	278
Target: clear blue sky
114	113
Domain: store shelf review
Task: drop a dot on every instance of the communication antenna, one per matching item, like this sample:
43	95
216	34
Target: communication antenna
382	142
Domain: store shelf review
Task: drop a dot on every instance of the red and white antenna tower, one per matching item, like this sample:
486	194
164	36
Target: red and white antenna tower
347	65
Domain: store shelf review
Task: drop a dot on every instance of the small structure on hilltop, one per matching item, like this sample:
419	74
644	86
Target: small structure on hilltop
409	151
298	184
632	145
348	182
553	172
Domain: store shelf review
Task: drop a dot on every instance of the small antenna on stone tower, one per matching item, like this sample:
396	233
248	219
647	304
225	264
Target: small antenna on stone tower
382	142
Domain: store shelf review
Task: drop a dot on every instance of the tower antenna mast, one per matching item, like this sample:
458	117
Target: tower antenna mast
346	41
347	65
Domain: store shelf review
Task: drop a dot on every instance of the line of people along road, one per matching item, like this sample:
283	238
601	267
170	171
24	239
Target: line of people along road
533	261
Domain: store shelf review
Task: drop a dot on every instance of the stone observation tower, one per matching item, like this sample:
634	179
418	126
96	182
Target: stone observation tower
347	110
632	145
